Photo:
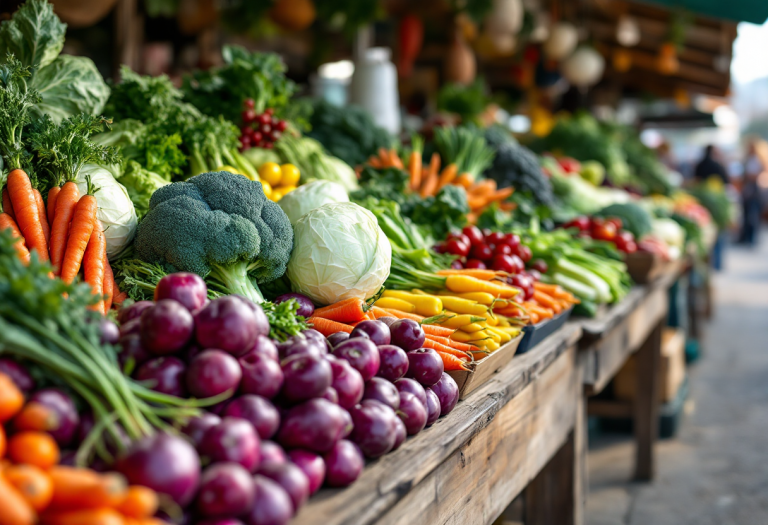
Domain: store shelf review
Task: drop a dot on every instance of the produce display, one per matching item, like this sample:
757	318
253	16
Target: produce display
209	312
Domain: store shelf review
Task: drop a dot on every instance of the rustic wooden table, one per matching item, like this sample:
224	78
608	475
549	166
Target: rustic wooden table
522	432
632	326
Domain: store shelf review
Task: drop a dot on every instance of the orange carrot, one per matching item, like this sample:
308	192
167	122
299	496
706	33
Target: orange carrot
328	327
119	297
394	158
448	175
109	284
34	448
36	416
477	202
66	201
534	318
403	315
7	222
465	180
447	341
451	362
14	510
435	330
546	301
429	186
27	214
78	488
533	308
375	162
347	311
500	195
93	264
43	216
53	194
485	275
3	447
7	206
414	168
139	502
507	206
33	483
102	516
83	223
11	398
485	187
435	345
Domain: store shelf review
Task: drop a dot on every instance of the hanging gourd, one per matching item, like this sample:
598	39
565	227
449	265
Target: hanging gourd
584	67
503	24
294	15
627	31
563	38
460	66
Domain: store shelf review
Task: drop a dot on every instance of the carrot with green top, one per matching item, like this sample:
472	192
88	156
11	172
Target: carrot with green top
26	212
328	327
429	186
448	175
347	311
66	202
415	163
436	330
434	345
451	362
447	341
83	224
93	264
7	222
7	206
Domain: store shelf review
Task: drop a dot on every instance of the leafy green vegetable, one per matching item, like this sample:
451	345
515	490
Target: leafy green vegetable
67	84
442	213
386	183
466	101
314	164
140	184
15	103
348	133
466	147
634	217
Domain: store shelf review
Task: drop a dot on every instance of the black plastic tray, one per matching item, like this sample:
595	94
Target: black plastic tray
533	334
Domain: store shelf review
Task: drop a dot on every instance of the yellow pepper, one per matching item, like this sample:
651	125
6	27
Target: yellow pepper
426	305
396	304
459	320
464	306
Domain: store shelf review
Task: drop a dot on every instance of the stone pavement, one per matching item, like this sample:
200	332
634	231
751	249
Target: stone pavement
715	471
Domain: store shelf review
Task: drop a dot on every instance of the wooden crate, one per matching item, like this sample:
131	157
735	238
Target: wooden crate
483	369
672	369
645	267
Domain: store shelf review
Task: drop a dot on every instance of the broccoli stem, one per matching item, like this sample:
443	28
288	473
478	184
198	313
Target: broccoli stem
234	277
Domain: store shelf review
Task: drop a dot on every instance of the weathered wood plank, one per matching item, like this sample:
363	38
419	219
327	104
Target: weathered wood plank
646	406
388	480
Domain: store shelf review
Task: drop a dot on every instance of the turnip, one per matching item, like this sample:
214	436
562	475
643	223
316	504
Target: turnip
447	392
230	323
382	390
313	335
306	308
337	338
347	382
306	376
234	440
271	504
213	372
226	489
198	425
362	354
64	410
163	374
18	374
133	311
433	407
166	327
292	479
164	463
412	413
414	387
374	427
393	362
376	331
314	425
189	289
262	375
425	366
343	464
312	465
271	452
407	334
257	411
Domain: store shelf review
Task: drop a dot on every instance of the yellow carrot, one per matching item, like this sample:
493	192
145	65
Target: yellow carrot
426	305
464	284
457	321
396	304
464	306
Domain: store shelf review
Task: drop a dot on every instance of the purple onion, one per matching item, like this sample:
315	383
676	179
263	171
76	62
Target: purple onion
314	425
362	354
425	366
133	311
271	505
65	411
306	376
374	427
189	289
347	382
18	374
306	308
230	323
400	434
166	327
433	407
213	372
393	362
234	440
412	386
387	320
131	327
257	411
447	392
262	375
330	394
343	464
292	479
265	347
197	426
271	452
132	353
382	390
226	489
376	331
312	465
337	338
407	334
164	375
110	333
412	413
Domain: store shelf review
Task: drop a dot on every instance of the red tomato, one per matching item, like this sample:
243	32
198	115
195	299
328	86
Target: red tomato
535	275
248	115
604	232
475	264
569	165
626	236
582	223
460	236
524	253
540	266
482	252
486	232
616	222
249	104
457	265
256	136
457	247
473	233
518	264
246	140
264	118
525	283
503	263
281	125
503	249
512	240
494	238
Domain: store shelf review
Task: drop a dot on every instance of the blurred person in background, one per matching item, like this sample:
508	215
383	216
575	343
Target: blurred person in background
755	166
710	166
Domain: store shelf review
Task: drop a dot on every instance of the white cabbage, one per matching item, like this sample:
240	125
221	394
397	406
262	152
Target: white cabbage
115	211
310	196
339	252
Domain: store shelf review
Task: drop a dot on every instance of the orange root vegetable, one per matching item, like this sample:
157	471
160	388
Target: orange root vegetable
43	216
36	417
347	311
11	398
451	362
33	448
33	483
429	186
26	212
464	180
447	341
53	194
395	160
119	297
403	315
500	195
83	224
102	516
448	175
7	205
434	345
77	488
109	284
139	502
14	510
93	264
485	275
542	313
7	222
435	330
66	201
547	301
328	327
414	169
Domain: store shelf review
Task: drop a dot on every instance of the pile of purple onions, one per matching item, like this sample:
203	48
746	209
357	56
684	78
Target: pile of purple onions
294	416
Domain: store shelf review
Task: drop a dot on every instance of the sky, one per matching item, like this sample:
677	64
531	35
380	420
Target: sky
749	53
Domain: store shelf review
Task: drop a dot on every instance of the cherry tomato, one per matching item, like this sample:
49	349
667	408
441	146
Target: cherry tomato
266	129
502	263
281	125
616	222
248	116
512	240
519	264
456	265
246	141
524	253
256	136
459	236
475	264
535	275
604	232
263	119
249	103
624	240
625	236
486	232
596	221
269	111
503	249
473	233
539	266
457	247
494	238
525	283
582	223
482	252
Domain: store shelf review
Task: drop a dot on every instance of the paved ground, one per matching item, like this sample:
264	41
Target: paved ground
715	472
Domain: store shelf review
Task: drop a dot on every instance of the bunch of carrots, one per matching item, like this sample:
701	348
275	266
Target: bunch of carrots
66	232
36	489
428	180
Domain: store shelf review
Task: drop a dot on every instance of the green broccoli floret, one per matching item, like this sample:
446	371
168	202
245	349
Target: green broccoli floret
221	227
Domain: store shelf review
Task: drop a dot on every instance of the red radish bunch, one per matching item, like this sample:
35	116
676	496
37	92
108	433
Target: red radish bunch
259	131
605	230
486	249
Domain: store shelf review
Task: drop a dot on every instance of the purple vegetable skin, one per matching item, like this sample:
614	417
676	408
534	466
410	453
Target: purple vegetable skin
343	464
389	321
132	353
407	334
271	505
271	452
400	434
315	425
414	387
110	333
412	413
226	489
447	392
213	372
330	394
18	374
382	390
393	362
232	440
376	331
336	339
164	375
189	289
347	382
306	376
374	427
262	375
198	425
433	407
362	354
257	411
306	308
230	323
133	311
65	411
166	327
292	479
312	465
425	366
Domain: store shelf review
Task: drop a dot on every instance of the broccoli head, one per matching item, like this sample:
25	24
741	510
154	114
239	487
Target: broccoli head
219	226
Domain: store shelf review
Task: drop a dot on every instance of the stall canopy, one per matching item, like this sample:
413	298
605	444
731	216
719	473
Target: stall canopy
753	11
